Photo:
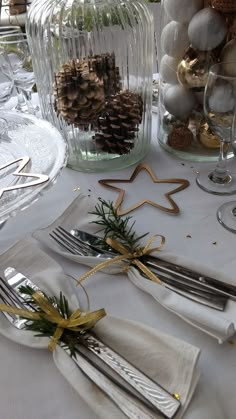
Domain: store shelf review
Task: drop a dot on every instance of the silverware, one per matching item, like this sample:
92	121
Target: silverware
157	397
169	268
130	406
193	291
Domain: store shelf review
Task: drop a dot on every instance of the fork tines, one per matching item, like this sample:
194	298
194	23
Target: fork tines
72	244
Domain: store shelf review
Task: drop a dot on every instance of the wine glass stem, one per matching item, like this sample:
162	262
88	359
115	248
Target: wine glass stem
20	99
221	174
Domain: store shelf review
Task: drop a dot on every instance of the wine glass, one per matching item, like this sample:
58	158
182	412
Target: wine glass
226	213
219	108
7	30
6	80
16	48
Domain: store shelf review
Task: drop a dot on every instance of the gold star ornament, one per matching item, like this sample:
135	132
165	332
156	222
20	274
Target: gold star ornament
108	183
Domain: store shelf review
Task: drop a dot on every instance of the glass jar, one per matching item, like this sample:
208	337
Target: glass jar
93	67
195	34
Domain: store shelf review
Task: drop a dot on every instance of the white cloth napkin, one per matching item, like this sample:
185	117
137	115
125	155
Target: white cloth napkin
169	361
220	325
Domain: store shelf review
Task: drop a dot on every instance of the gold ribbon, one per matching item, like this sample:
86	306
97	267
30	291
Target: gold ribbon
76	322
132	257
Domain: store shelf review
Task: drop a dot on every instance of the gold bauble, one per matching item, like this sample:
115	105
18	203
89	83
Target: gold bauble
207	138
192	71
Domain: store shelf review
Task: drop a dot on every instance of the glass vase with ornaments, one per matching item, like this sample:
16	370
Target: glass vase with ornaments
195	34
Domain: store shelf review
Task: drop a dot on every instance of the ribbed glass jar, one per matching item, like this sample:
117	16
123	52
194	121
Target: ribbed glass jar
93	67
194	35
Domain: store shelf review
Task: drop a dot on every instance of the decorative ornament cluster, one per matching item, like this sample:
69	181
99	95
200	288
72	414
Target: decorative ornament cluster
88	92
199	34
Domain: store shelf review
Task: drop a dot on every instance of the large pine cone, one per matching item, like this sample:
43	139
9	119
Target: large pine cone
118	126
81	86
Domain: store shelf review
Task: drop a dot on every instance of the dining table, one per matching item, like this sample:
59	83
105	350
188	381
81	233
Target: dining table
31	387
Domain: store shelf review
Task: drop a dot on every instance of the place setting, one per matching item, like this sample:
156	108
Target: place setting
76	104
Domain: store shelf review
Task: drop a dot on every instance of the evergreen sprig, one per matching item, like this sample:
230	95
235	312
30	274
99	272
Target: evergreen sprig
43	327
116	227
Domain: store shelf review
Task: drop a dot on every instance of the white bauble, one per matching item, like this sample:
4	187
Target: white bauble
222	98
207	29
174	39
179	101
168	69
182	10
228	54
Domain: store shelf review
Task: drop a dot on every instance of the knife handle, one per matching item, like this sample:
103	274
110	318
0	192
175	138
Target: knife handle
159	398
131	407
191	276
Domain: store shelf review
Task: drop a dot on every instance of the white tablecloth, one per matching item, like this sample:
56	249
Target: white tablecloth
30	385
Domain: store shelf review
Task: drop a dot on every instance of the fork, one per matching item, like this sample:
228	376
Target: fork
127	403
152	394
192	291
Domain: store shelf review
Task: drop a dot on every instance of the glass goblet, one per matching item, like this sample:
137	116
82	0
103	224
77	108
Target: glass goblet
226	213
219	108
6	80
15	47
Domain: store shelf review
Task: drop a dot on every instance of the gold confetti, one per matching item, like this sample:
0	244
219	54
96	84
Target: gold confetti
231	342
188	236
76	189
176	396
215	243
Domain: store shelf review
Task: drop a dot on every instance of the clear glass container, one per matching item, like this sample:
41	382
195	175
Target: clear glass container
93	66
194	35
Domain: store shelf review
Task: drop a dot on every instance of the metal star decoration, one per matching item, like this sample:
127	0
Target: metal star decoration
174	207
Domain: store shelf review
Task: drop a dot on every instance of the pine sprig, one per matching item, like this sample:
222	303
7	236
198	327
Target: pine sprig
43	327
116	227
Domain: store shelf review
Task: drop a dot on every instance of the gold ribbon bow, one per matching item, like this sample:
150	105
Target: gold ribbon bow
133	258
77	322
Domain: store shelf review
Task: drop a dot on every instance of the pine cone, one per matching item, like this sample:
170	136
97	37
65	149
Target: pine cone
81	87
118	126
16	7
224	6
105	67
180	137
79	93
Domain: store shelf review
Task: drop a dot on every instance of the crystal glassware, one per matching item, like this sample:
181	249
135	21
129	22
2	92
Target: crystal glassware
93	65
226	213
7	30
219	109
15	47
6	79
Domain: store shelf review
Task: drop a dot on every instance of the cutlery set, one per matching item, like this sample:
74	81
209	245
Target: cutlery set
188	283
134	393
137	396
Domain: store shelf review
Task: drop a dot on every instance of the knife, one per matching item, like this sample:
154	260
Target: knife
157	397
190	276
174	270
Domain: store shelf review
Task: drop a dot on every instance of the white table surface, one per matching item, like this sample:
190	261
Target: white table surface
30	385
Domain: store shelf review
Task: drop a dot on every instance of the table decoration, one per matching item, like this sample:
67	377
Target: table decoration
95	78
171	362
220	325
194	35
142	166
28	140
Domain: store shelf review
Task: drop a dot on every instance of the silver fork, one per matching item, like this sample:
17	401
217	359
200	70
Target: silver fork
191	290
127	403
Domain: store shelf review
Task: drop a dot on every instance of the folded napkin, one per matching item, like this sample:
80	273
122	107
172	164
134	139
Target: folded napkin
220	325
169	361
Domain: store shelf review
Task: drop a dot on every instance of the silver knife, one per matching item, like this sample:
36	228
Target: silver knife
189	275
158	398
